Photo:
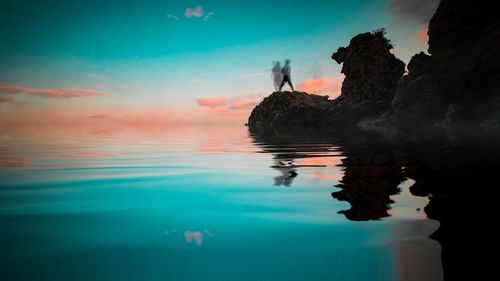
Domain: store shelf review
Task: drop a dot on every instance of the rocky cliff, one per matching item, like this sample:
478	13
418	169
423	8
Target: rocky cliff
371	71
456	86
371	77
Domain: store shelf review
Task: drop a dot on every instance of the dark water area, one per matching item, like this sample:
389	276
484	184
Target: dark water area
456	175
225	204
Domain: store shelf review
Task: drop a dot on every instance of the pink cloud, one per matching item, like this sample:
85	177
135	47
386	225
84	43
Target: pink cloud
211	102
6	99
221	110
243	103
197	12
224	104
11	100
422	34
330	86
101	115
50	93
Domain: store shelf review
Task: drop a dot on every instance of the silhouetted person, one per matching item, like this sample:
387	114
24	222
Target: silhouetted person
276	75
286	70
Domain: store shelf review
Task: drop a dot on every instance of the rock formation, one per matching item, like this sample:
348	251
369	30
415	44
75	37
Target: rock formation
371	77
457	86
371	71
285	111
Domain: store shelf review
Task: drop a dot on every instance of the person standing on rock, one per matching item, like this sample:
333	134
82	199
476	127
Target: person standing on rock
276	75
286	70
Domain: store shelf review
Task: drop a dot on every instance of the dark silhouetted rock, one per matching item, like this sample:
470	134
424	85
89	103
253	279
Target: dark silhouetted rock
458	85
371	77
371	71
284	111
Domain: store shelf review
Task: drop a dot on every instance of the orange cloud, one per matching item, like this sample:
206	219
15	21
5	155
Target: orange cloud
10	99
101	115
211	102
244	103
422	34
220	104
105	118
330	86
50	93
6	99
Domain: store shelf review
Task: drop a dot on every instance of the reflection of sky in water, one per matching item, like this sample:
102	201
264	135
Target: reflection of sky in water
192	204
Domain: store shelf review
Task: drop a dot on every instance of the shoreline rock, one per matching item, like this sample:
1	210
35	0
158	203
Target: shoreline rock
454	88
457	86
283	111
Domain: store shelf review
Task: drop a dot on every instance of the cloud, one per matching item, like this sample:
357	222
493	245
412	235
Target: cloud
225	104
330	86
207	16
11	100
422	34
211	102
49	93
195	236
101	116
420	11
6	99
172	17
243	103
197	12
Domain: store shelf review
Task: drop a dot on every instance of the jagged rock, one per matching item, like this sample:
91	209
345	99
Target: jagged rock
418	65
371	71
371	76
458	85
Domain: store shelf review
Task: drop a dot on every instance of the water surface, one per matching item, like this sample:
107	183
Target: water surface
213	204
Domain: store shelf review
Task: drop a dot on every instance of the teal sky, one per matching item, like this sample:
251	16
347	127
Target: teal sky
151	52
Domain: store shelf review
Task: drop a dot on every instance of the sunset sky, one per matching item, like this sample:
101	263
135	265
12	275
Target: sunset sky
179	62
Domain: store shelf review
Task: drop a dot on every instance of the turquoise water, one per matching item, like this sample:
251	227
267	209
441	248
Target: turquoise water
205	204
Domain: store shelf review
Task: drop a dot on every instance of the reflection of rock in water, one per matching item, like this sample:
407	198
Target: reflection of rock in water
370	177
286	150
455	177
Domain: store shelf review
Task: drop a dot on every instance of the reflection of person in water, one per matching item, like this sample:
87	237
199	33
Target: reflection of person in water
286	71
288	172
276	75
457	179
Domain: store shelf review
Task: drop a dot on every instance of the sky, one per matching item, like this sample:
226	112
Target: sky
163	63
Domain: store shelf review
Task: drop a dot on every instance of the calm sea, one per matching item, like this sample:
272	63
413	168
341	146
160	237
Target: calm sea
197	203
